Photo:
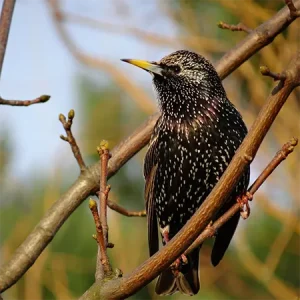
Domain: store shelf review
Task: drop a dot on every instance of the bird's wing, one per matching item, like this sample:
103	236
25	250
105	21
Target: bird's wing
150	167
226	232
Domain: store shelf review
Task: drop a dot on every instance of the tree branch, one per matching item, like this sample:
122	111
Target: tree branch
41	99
123	211
88	183
103	266
276	76
210	231
71	139
103	263
5	21
260	37
238	27
295	13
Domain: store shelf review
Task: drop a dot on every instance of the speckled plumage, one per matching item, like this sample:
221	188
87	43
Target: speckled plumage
193	142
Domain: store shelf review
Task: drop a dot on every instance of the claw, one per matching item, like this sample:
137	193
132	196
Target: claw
182	260
244	205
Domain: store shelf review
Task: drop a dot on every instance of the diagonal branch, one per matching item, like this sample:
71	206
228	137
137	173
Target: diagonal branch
41	99
87	183
5	21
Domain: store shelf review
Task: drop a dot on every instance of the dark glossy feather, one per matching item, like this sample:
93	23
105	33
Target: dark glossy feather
192	144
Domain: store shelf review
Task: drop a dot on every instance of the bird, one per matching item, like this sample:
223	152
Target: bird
193	141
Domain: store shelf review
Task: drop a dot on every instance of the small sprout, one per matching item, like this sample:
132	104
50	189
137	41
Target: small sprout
62	118
220	24
104	145
71	114
264	70
110	245
294	141
64	138
94	236
92	204
44	98
118	273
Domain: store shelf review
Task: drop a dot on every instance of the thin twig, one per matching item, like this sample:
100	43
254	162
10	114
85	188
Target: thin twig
238	27
5	21
293	10
103	260
265	71
123	211
104	154
41	99
103	265
212	228
71	139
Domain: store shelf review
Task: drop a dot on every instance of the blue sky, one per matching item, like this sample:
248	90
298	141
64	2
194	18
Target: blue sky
37	62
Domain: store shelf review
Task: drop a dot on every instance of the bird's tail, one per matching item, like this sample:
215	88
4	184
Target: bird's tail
186	282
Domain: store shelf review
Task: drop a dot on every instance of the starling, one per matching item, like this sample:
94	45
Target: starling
193	142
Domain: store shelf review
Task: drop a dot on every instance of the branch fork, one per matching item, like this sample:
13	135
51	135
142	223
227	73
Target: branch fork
67	124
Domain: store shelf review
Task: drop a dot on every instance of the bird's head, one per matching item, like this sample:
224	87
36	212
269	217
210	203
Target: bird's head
182	78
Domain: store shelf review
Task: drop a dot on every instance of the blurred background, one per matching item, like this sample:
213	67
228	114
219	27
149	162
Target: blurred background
71	50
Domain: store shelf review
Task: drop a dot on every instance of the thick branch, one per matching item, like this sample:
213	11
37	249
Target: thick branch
5	21
87	183
41	99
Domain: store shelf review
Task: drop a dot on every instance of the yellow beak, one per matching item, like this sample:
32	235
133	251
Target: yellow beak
145	65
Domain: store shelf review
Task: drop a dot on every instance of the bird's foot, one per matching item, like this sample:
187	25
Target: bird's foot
244	205
177	264
182	260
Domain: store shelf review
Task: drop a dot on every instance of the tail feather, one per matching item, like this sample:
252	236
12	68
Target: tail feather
187	281
223	238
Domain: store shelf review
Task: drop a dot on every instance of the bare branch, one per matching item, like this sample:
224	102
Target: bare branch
103	261
5	21
295	13
104	154
262	36
103	266
238	27
88	184
213	228
71	139
276	76
41	99
123	211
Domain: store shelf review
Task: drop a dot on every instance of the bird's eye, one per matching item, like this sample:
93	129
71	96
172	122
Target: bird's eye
176	69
